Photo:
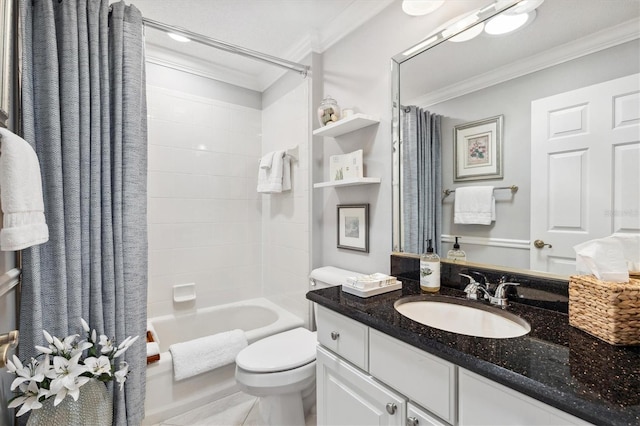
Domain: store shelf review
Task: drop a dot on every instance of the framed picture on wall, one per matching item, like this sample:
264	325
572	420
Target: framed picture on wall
353	227
477	150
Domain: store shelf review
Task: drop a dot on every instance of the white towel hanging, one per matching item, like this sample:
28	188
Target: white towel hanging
24	223
474	205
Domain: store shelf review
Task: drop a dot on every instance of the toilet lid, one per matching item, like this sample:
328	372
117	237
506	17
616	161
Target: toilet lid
282	351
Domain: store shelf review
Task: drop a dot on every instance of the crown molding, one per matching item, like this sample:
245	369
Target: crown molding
190	64
622	33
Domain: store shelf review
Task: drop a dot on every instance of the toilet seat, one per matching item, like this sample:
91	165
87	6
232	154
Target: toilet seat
280	352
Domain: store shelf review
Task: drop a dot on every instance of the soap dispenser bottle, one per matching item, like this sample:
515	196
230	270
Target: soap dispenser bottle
456	253
430	271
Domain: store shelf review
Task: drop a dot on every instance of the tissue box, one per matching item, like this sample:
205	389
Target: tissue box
607	310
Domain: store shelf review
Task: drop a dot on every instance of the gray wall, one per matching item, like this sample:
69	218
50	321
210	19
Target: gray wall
513	100
357	73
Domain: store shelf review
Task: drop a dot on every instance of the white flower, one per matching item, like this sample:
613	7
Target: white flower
85	326
121	375
32	372
107	344
126	344
98	366
29	398
66	377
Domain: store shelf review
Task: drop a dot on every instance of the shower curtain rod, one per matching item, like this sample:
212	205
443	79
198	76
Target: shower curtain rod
208	41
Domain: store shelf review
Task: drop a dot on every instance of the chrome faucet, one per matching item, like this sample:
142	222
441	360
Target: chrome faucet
476	291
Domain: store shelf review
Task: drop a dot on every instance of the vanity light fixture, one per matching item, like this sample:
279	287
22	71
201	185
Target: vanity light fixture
420	7
503	24
524	6
420	46
460	24
178	37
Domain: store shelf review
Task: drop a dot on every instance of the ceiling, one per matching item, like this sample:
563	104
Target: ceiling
288	29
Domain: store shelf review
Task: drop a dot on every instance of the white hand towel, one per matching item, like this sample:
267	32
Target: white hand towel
206	353
266	161
286	173
20	194
270	180
474	205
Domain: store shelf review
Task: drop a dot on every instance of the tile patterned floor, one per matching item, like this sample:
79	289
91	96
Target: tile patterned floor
238	409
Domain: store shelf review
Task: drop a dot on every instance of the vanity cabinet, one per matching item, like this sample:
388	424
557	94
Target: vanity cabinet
367	377
422	377
341	127
485	402
348	396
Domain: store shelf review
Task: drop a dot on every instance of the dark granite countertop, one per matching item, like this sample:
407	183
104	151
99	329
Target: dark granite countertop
555	363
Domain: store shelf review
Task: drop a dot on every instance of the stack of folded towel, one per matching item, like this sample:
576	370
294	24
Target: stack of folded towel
366	282
274	174
153	344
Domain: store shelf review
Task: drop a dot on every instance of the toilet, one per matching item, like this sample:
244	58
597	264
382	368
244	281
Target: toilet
281	369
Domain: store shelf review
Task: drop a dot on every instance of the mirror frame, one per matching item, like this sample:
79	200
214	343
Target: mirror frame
5	63
435	38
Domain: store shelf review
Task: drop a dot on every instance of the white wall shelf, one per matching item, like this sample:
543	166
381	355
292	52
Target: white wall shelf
346	125
347	182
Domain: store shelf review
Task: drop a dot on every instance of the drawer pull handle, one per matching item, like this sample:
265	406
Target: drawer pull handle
412	421
391	408
335	335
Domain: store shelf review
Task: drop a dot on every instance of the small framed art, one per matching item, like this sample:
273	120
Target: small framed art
353	227
478	150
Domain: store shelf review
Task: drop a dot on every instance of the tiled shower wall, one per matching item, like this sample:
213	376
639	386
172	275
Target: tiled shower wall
204	213
285	216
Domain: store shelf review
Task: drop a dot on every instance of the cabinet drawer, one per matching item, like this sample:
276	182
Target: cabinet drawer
424	378
416	416
344	336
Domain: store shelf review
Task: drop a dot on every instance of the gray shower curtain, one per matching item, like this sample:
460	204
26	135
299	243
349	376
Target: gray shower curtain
421	180
84	112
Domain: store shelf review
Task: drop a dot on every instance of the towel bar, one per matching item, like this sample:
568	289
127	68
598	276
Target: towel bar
513	188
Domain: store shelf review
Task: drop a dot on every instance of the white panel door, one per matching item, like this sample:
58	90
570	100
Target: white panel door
346	396
585	179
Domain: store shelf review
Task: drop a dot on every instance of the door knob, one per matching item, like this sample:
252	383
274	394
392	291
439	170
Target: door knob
335	335
540	244
412	421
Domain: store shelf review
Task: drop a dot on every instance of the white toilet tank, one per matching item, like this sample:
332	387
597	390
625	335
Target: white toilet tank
324	277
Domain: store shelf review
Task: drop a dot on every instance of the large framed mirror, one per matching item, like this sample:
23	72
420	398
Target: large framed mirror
5	27
567	89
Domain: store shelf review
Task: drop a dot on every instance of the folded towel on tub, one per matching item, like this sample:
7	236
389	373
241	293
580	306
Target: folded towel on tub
206	353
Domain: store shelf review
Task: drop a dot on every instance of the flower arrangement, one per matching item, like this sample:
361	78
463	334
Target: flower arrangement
68	364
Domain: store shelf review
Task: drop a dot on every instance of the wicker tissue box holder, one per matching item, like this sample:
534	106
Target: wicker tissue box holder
607	310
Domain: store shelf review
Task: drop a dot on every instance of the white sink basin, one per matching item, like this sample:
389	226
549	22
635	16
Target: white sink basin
462	317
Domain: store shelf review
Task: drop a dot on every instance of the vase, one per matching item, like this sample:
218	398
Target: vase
94	407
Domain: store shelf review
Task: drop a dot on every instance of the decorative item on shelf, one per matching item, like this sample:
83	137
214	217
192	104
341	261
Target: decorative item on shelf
347	112
328	111
346	166
353	227
70	367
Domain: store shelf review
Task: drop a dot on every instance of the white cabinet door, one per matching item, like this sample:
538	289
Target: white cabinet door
585	148
347	396
484	402
424	378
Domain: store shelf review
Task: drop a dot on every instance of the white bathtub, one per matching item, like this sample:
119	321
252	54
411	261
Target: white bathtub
165	397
